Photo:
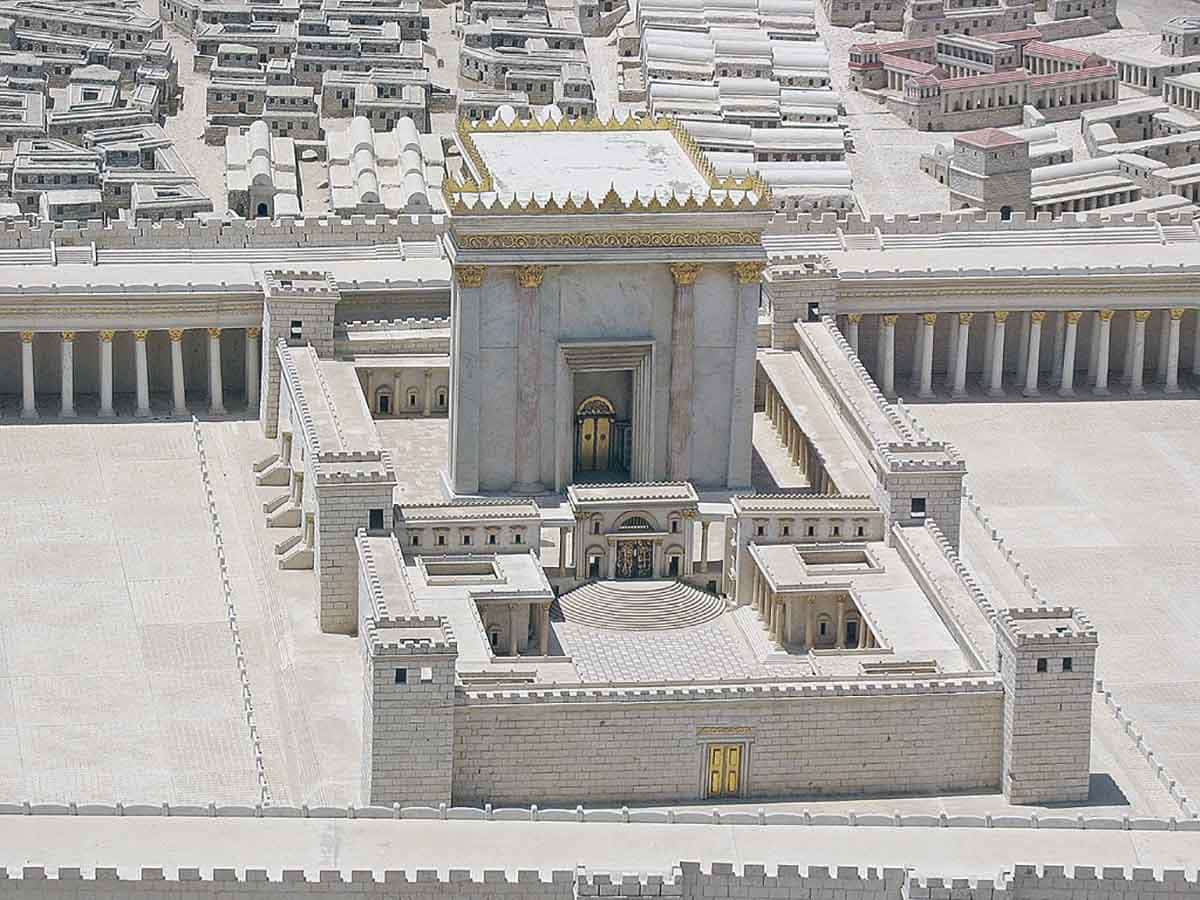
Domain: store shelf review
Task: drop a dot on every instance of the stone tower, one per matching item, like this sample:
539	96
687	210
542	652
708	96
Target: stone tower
990	170
1047	658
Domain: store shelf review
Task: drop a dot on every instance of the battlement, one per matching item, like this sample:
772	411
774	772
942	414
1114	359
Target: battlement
951	222
410	324
300	285
1047	626
411	636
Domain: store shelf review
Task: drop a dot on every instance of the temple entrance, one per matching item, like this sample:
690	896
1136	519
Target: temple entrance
724	770
602	441
635	559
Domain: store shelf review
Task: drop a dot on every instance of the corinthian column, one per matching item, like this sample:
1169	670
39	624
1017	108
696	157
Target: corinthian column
1171	379
529	368
216	391
68	374
1033	355
959	389
177	385
996	383
1103	342
852	322
253	355
106	373
928	321
683	344
1138	363
1066	378
888	375
143	373
28	399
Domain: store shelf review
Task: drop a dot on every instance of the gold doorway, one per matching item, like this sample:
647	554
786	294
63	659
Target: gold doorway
724	769
594	435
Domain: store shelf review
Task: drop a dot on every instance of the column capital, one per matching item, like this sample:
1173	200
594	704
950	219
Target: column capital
253	332
176	334
1037	316
890	319
1106	315
26	337
1142	315
855	318
469	276
1177	313
1001	316
68	337
530	276
751	272
930	318
107	335
214	332
1073	317
686	272
140	334
965	318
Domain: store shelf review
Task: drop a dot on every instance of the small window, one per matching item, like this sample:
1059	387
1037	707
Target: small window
860	532
674	526
1068	664
441	540
837	531
787	530
760	531
375	520
466	540
492	539
516	538
426	674
297	328
812	531
595	528
918	507
402	676
1041	664
416	540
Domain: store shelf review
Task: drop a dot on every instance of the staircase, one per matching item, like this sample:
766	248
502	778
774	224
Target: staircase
639	605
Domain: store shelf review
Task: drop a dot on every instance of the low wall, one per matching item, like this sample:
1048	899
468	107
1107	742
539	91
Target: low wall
649	745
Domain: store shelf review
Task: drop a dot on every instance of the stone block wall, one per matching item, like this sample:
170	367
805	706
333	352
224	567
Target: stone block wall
649	745
941	491
342	509
316	316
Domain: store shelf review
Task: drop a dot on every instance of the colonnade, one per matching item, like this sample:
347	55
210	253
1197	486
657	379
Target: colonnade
1178	95
783	614
1067	356
801	451
1087	204
68	339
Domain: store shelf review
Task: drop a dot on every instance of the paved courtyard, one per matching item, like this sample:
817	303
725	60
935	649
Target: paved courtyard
1101	501
117	670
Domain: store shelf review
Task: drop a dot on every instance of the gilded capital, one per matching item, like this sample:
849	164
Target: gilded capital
1106	315
1001	316
176	334
1074	317
965	318
930	319
890	320
1142	315
68	337
107	336
530	276
1177	313
1037	316
685	273
253	332
140	334
214	332
855	318
26	337
750	272
469	276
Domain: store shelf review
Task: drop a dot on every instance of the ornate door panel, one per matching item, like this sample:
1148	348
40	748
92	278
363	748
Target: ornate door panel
724	770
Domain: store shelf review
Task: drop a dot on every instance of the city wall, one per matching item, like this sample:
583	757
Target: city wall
649	743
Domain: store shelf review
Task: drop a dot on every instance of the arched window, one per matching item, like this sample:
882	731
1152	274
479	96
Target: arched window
441	398
412	398
635	523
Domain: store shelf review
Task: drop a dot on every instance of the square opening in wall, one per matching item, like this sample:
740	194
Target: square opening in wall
297	329
918	507
375	520
402	676
426	674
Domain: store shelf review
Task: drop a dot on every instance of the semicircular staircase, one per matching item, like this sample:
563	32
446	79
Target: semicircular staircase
639	605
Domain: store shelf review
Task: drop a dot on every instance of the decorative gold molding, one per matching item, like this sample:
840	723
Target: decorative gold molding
1073	317
965	318
1141	315
1106	315
107	335
930	319
68	337
469	276
890	320
609	239
751	272
530	276
1177	313
855	318
1037	316
253	332
26	337
214	332
1000	316
685	273
176	334
140	334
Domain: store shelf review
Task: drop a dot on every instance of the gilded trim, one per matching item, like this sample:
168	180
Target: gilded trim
469	276
685	273
749	272
610	239
530	276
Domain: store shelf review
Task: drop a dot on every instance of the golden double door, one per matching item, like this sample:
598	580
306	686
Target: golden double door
725	762
593	429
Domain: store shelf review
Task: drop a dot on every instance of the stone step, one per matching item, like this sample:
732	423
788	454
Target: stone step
639	605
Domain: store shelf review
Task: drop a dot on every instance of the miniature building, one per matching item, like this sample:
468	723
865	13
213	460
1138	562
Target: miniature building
261	176
383	171
990	170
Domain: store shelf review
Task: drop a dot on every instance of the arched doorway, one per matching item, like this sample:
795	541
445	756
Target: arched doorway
594	435
263	211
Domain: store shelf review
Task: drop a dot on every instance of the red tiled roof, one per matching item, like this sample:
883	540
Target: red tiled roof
905	46
988	138
1041	48
906	65
1038	81
971	81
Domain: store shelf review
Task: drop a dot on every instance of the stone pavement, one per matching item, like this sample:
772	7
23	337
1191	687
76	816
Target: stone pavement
1101	502
117	672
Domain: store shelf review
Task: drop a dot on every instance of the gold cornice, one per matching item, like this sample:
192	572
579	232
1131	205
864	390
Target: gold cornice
469	276
610	239
530	276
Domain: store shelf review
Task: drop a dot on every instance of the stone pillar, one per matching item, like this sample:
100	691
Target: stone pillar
1060	346
465	388
862	632
889	356
143	374
683	344
106	373
928	321
1104	339
562	552
917	354
1023	344
1140	318
1127	366
810	623
544	630
1033	357
996	381
959	388
1066	379
1171	379
428	392
1196	350
68	375
529	368
704	546
28	398
178	389
840	637
1164	334
216	391
514	628
253	358
989	340
1094	348
748	294
852	322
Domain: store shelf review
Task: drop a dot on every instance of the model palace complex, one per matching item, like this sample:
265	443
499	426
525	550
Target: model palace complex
547	386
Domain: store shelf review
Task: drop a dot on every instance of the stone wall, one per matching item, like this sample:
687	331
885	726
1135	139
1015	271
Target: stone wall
648	744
